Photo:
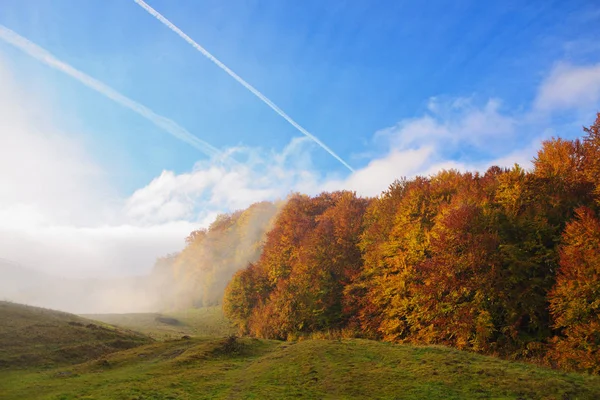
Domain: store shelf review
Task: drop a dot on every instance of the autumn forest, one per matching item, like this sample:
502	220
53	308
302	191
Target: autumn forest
505	262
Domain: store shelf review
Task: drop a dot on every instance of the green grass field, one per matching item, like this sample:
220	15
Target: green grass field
45	338
205	367
208	321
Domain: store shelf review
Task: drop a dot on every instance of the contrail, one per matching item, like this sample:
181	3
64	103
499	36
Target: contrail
164	123
235	76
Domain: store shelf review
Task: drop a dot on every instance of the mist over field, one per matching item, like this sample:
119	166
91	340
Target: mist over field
91	295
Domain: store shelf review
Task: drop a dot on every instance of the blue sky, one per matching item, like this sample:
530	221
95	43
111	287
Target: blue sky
394	87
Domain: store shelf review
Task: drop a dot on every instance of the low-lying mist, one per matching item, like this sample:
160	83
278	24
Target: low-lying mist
115	295
195	277
198	275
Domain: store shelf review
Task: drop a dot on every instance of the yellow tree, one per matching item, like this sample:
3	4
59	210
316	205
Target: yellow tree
575	300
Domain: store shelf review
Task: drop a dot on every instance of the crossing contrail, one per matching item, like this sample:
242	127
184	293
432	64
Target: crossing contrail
235	76
50	60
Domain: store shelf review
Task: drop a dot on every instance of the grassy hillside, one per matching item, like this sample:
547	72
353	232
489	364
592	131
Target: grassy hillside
207	321
311	369
32	336
69	357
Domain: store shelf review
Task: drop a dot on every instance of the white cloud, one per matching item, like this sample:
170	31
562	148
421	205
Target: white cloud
45	175
380	173
416	146
214	186
455	123
570	87
58	212
427	144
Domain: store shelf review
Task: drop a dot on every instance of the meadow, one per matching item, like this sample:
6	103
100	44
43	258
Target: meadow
221	366
206	321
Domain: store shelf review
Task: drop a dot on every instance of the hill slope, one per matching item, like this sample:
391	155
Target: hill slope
311	369
32	336
206	321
